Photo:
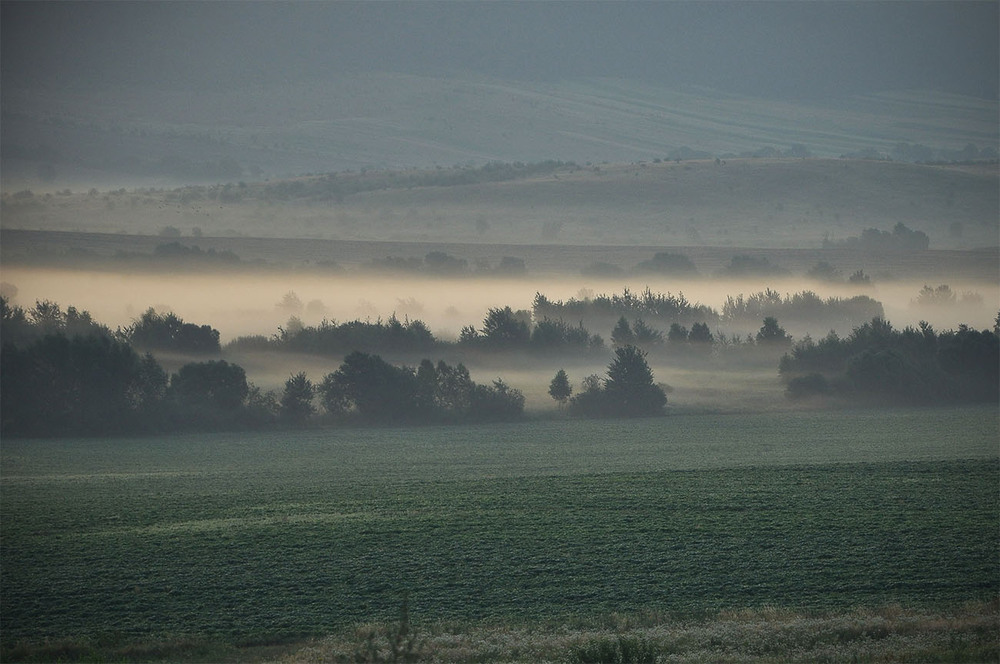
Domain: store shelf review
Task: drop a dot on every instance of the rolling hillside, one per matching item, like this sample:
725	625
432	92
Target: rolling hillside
777	203
142	136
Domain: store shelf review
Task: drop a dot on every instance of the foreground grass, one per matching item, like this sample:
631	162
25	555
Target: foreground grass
887	634
967	633
215	548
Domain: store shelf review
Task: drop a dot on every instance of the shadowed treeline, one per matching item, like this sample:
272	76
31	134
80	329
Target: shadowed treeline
65	374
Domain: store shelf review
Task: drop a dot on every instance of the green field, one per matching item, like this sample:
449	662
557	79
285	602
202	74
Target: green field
275	536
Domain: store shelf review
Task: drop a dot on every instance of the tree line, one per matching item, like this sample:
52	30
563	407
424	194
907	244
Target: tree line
914	365
545	329
65	374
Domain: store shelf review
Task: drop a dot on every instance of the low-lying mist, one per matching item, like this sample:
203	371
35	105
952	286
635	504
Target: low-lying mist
258	303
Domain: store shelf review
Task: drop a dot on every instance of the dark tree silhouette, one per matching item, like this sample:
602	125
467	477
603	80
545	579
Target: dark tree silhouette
915	365
772	334
559	388
502	328
628	390
155	331
382	392
677	334
622	335
630	387
497	402
85	385
213	384
296	400
645	335
700	334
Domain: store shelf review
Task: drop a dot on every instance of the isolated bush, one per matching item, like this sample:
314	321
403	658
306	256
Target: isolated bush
809	385
559	388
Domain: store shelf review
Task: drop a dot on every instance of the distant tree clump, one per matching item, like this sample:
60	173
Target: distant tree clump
627	391
606	311
549	335
944	296
332	338
215	385
20	327
175	252
913	365
503	328
804	308
901	239
381	392
823	271
168	332
744	265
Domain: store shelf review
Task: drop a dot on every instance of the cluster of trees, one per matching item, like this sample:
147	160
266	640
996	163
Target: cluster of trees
175	252
378	391
944	296
824	271
699	338
332	338
900	239
65	374
19	326
752	266
628	390
505	329
603	311
804	307
168	332
913	365
632	317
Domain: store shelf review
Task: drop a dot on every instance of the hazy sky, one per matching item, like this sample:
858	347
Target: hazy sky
791	49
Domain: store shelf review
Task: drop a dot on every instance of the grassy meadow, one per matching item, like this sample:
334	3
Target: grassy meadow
535	529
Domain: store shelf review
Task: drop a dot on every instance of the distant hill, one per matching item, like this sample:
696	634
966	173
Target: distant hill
742	202
141	136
